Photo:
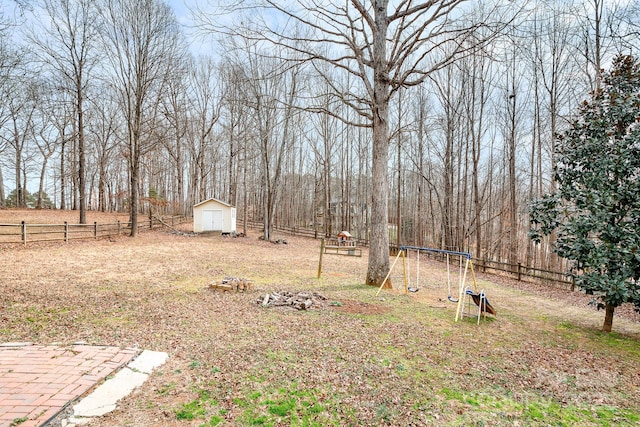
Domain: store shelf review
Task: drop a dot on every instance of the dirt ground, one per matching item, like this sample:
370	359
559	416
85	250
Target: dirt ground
361	354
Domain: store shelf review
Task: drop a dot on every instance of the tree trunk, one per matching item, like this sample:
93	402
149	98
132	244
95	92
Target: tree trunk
24	184
347	182
43	171
266	197
134	180
328	220
379	250
202	171
2	196
399	183
81	152
608	318
180	181
102	176
513	255
231	195
74	167
19	187
244	191
63	203
418	234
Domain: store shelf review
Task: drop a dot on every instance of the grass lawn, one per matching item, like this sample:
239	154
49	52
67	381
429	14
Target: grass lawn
356	359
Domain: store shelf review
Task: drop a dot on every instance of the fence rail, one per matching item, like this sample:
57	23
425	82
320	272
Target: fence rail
523	272
301	231
29	233
515	271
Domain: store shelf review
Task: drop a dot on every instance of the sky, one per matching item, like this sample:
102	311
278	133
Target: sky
198	45
180	9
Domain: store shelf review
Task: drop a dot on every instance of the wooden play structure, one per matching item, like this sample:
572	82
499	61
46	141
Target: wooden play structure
342	244
470	301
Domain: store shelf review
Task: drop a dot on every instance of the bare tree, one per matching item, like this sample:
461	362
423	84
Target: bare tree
21	110
64	123
235	125
386	47
450	93
68	48
204	106
273	91
323	142
141	38
554	39
103	130
46	134
10	59
513	97
629	34
175	109
479	68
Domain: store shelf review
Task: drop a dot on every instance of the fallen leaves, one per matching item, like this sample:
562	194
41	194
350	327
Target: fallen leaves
364	360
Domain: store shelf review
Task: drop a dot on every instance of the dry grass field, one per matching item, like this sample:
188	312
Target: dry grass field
46	216
354	359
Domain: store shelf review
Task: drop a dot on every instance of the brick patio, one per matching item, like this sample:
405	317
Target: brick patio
37	382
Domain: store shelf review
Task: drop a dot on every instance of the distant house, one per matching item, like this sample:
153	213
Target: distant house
214	215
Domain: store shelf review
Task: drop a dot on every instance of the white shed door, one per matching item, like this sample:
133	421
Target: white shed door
212	219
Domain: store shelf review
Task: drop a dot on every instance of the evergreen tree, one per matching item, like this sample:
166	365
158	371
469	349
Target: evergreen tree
31	200
596	208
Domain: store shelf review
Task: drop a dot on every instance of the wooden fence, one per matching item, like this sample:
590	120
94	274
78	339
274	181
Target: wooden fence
515	271
28	233
524	273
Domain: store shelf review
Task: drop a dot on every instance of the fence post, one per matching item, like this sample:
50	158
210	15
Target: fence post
150	223
66	232
519	271
24	232
118	224
322	245
95	230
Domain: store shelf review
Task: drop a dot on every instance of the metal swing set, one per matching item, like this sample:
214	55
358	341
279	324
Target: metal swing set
470	302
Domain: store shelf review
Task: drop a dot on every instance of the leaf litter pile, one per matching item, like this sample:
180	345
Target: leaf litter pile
351	358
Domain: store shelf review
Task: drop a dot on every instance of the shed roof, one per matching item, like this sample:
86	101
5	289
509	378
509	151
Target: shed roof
213	200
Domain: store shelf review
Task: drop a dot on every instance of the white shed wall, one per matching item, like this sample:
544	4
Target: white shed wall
214	215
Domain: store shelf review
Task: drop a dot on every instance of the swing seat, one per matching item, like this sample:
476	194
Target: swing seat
480	299
410	289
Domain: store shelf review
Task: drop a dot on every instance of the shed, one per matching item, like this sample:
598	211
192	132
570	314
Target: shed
344	235
214	215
